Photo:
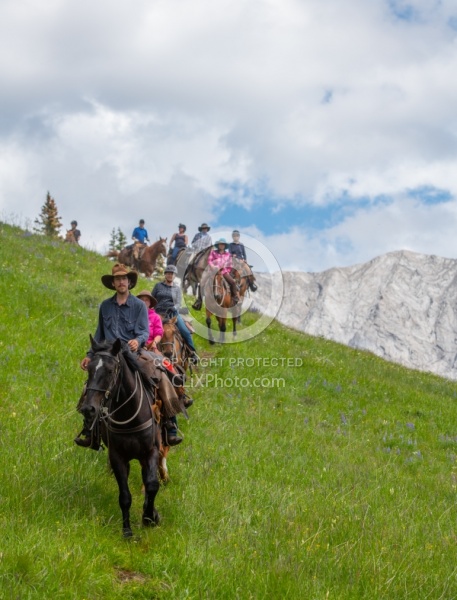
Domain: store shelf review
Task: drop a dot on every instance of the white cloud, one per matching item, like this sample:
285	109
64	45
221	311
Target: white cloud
155	109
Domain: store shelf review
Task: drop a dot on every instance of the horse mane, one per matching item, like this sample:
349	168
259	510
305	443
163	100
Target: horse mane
130	358
125	354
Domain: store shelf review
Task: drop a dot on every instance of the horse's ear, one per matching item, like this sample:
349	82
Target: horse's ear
94	345
173	320
116	348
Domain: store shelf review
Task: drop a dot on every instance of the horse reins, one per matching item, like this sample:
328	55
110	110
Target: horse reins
107	417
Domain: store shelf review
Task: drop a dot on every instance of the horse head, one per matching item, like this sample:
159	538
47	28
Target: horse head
103	371
163	246
167	343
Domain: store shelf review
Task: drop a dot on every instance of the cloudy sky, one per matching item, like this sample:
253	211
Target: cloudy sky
327	129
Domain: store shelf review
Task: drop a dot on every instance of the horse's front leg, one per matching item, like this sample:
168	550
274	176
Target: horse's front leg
208	324
163	468
234	321
121	471
149	472
199	301
222	329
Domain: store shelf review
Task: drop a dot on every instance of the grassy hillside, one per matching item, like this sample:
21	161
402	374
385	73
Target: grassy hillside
333	479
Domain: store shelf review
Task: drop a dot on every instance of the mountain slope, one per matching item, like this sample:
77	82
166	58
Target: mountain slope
401	306
332	477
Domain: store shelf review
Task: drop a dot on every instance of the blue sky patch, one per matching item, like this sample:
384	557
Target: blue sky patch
274	216
403	10
430	195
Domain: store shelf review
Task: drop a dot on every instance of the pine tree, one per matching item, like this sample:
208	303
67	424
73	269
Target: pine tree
121	240
48	223
113	240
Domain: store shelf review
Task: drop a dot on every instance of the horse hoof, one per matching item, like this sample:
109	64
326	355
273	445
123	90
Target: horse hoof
212	342
151	522
127	532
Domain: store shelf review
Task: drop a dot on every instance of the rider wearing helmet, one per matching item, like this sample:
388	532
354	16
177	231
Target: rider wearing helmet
169	298
236	248
76	233
140	234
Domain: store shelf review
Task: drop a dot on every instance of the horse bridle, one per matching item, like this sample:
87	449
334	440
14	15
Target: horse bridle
110	388
108	416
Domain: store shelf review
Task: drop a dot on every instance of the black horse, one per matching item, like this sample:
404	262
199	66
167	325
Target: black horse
117	397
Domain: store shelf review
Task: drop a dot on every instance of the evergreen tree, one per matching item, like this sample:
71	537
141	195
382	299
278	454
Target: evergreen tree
48	223
113	240
121	240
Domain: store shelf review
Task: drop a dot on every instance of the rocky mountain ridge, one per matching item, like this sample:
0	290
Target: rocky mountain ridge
401	306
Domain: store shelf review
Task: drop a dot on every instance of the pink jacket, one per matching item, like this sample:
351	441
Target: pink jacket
222	261
155	325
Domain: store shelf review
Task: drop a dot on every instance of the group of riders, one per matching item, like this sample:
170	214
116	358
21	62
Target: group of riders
138	321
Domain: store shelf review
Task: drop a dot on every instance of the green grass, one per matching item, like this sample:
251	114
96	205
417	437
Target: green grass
340	484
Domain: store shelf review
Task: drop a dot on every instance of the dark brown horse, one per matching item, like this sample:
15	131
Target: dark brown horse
116	396
147	256
219	300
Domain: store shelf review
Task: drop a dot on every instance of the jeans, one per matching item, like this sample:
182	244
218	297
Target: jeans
174	253
183	330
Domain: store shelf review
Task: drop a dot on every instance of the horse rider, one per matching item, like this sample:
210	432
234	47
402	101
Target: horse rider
180	241
236	248
169	298
202	239
140	234
155	322
221	259
76	233
140	237
121	316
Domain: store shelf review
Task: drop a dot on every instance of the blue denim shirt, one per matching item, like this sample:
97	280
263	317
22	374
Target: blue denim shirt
127	321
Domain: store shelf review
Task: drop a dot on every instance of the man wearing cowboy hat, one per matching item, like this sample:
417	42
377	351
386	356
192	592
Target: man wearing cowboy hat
202	239
122	316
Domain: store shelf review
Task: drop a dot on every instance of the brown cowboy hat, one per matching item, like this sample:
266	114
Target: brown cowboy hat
204	226
152	300
119	269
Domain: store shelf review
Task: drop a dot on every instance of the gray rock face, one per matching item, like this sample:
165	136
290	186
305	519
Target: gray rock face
401	306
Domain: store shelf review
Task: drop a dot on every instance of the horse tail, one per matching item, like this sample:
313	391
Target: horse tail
112	254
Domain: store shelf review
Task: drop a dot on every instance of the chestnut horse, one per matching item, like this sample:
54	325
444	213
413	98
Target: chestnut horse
146	263
219	298
116	396
70	237
172	345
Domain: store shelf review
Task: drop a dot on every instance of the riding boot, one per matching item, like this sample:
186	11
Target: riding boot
197	304
170	428
193	357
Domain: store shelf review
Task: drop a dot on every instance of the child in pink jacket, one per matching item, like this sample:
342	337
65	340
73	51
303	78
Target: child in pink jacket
155	322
